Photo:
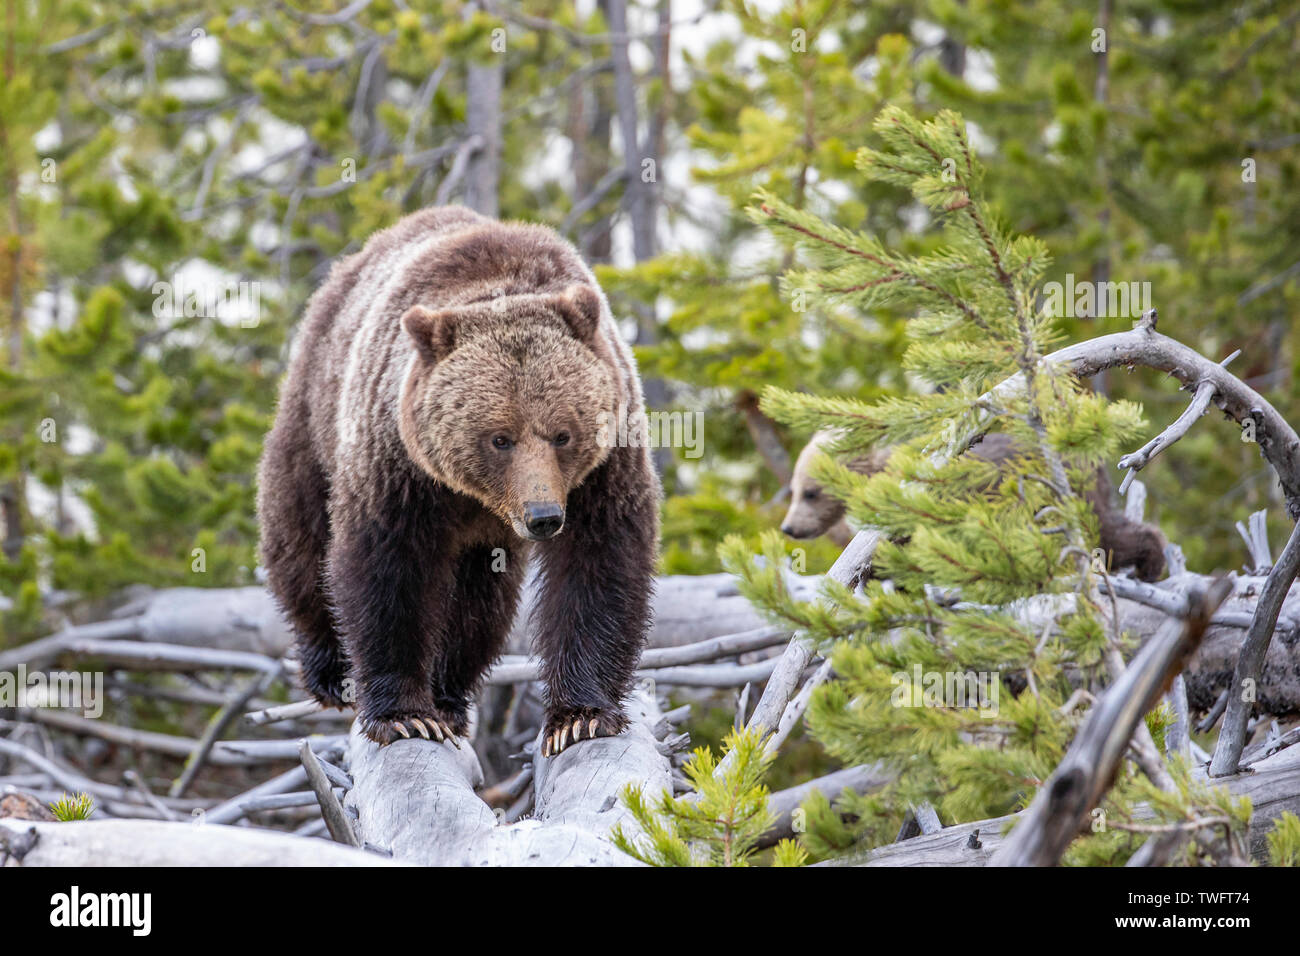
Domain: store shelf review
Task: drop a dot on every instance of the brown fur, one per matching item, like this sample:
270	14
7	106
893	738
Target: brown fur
439	423
813	511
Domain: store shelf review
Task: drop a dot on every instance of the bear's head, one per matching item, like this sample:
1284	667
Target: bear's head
505	400
812	510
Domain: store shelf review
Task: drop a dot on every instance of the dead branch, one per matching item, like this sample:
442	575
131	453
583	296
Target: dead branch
784	683
1139	459
1273	789
1250	660
216	727
1083	776
336	820
784	803
1143	345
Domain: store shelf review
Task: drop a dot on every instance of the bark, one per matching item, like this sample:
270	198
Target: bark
1062	804
160	843
640	193
416	798
766	438
784	803
1273	789
688	609
483	120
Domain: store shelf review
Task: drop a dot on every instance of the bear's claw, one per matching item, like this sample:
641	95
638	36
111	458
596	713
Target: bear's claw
583	723
386	730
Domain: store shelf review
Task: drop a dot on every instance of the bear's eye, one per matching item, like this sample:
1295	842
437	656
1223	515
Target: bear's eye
810	494
502	442
561	439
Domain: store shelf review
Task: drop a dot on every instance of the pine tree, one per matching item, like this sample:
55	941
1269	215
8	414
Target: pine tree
1284	841
721	826
942	677
194	149
783	125
1151	142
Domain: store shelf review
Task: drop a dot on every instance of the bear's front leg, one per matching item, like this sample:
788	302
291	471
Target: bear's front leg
389	583
593	613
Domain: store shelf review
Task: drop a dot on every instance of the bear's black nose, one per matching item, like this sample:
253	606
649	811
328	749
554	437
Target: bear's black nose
542	518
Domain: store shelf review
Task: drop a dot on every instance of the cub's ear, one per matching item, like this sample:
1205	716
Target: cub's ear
434	333
580	306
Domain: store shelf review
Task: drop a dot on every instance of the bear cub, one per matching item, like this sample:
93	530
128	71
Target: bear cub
813	511
446	414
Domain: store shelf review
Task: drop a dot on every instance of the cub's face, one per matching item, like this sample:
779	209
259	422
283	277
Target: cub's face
508	408
812	510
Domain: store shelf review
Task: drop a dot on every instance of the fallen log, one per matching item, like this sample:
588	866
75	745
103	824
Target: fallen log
224	753
1273	789
1061	806
687	609
160	843
695	609
416	799
785	804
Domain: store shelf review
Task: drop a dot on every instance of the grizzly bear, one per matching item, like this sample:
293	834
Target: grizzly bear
443	420
813	511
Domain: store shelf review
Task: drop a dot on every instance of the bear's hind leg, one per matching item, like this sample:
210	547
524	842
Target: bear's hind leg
293	512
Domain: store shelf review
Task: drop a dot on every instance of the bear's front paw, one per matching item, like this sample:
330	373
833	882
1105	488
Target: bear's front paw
430	726
571	724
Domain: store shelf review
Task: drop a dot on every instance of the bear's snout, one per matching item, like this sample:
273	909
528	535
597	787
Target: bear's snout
543	519
802	522
799	532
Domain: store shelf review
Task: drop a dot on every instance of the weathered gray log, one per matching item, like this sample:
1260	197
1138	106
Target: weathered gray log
1251	657
153	655
223	619
224	753
785	803
48	648
691	609
1273	789
785	681
687	609
1081	779
160	843
416	798
516	669
112	800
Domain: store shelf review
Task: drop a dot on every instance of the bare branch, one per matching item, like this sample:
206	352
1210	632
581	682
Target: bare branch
336	820
1139	459
1059	810
1250	663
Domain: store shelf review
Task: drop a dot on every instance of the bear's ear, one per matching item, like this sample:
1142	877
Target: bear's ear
580	306
434	333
